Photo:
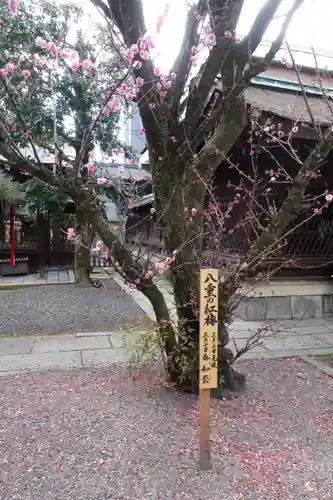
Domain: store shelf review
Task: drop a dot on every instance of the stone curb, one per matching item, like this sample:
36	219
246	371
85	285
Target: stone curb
317	364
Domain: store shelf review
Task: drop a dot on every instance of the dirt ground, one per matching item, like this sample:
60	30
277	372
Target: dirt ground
124	434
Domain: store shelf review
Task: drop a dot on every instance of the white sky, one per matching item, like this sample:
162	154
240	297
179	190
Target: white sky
310	26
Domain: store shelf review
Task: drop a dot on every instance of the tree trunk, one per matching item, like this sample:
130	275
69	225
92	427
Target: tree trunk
84	236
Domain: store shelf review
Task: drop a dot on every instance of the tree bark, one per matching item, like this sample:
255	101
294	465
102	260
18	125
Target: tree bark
84	236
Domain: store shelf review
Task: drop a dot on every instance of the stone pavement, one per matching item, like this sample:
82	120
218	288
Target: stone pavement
52	278
278	338
100	349
38	353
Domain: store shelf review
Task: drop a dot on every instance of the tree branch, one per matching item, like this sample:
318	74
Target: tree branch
259	67
103	7
182	64
252	40
292	204
227	17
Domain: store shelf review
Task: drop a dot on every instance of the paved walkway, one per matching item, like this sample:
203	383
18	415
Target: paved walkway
37	353
52	278
284	338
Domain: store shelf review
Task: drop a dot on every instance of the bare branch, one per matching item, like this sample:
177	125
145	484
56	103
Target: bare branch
259	66
251	41
292	204
191	37
227	17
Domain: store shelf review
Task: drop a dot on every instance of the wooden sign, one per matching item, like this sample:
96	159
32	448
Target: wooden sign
209	280
208	365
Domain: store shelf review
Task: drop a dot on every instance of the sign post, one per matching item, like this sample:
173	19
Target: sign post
208	364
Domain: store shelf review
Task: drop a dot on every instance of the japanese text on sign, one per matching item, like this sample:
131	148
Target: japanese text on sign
209	281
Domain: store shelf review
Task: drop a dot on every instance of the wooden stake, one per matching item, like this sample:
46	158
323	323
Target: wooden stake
208	363
205	456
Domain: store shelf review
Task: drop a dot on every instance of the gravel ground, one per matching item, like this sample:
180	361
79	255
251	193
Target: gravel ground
65	309
118	434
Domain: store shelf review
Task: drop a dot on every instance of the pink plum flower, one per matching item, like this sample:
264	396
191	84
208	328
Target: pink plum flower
160	267
157	71
139	81
193	212
144	54
10	67
152	211
13	5
329	198
135	48
101	180
150	41
26	73
70	233
75	65
40	42
86	64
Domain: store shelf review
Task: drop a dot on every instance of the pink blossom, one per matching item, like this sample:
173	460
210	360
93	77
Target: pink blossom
13	4
26	73
142	131
10	67
194	60
294	129
70	233
144	54
139	81
65	54
75	65
106	110
329	198
111	105
143	44
86	64
160	267
90	153
53	49
40	42
211	39
137	64
157	71
170	260
150	41
129	55
101	180
74	55
152	211
3	72
135	48
193	212
130	204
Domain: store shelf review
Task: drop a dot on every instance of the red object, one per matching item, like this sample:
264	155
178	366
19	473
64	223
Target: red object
12	236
